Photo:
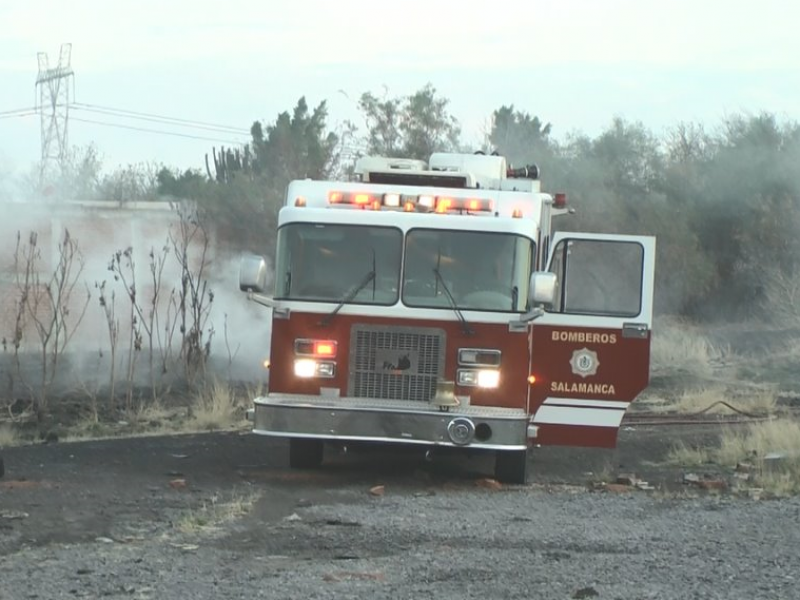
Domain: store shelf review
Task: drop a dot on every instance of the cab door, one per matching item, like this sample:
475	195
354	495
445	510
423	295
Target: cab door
590	351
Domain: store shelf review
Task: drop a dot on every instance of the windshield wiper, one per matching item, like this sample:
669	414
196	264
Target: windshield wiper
464	325
374	275
350	295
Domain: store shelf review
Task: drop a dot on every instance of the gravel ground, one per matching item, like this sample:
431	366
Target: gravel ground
325	536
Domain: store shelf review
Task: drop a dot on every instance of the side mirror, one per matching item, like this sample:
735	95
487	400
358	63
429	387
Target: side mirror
541	292
253	273
542	288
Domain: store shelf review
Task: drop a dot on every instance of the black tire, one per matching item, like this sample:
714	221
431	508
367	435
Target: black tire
511	466
305	453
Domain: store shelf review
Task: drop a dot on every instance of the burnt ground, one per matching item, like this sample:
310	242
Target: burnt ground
220	515
134	518
81	491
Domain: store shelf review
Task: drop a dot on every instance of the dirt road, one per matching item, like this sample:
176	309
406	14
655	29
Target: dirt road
220	516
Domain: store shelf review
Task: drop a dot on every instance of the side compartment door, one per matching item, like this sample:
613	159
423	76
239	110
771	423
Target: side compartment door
590	351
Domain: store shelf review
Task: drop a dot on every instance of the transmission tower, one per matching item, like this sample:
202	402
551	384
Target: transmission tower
53	105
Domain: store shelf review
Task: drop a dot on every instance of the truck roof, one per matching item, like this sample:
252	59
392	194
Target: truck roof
449	169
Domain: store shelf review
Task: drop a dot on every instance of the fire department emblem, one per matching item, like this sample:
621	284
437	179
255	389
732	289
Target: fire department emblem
584	362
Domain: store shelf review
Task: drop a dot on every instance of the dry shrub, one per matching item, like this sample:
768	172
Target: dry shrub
760	439
8	436
779	439
782	292
216	407
678	346
772	447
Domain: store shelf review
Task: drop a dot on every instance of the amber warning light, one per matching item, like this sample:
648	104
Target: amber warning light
320	348
324	348
407	203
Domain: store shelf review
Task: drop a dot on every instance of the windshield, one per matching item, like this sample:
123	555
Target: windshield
482	271
326	262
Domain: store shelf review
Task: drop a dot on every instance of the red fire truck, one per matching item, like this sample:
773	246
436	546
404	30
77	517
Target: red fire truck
433	303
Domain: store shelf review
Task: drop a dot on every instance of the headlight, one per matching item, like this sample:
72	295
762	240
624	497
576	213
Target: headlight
307	367
485	378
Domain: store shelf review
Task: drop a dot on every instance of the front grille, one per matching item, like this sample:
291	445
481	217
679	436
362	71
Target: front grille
395	363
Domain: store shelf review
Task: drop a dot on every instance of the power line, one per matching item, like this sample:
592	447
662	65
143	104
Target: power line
158	118
20	112
163	121
158	131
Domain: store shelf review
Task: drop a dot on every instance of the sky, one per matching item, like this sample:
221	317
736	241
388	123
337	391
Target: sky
574	63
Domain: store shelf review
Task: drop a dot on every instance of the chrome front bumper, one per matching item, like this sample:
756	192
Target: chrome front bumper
358	419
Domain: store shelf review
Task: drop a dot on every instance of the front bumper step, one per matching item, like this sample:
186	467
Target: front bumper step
359	419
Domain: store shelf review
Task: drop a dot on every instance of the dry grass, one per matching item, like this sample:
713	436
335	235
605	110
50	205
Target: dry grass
760	439
771	447
717	400
217	407
8	436
764	402
152	412
774	447
685	455
145	419
216	512
678	346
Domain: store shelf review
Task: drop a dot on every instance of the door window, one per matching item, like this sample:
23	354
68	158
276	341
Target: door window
598	277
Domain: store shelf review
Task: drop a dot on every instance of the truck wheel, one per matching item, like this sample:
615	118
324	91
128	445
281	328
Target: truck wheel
511	466
305	453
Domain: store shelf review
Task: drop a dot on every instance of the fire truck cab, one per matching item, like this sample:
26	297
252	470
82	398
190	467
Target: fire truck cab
434	303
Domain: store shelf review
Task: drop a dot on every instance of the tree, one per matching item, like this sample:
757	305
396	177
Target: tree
631	157
427	125
749	209
134	183
295	146
78	179
520	137
242	195
180	185
414	126
383	125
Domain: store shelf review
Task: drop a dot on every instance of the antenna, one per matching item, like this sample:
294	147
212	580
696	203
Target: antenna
53	107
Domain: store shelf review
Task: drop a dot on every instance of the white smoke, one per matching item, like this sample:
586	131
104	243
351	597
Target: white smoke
137	238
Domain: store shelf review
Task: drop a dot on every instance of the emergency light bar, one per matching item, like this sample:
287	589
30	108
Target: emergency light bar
409	202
